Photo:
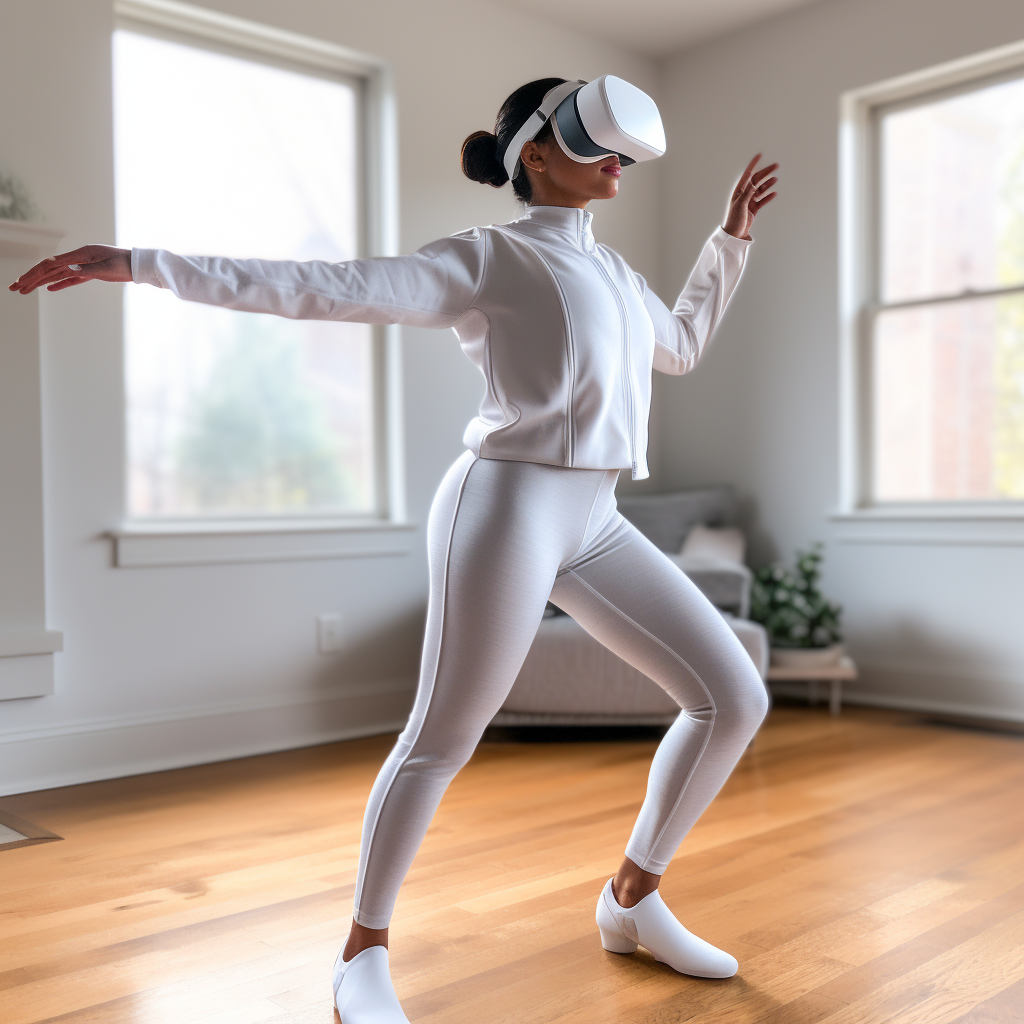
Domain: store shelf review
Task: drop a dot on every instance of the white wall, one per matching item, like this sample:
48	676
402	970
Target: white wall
167	666
170	666
931	625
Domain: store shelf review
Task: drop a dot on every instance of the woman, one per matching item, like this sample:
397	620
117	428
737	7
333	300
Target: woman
566	336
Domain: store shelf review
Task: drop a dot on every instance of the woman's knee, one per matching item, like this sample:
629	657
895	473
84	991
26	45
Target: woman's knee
440	762
738	694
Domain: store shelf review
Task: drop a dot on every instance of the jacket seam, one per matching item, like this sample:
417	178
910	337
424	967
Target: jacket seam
569	438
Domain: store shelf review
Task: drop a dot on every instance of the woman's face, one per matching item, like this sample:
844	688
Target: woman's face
558	180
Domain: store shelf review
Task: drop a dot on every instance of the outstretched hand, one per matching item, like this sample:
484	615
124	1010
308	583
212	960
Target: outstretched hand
752	191
88	263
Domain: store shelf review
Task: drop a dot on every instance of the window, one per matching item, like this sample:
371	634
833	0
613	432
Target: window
938	320
221	150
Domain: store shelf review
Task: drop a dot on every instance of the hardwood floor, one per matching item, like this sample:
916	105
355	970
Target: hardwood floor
863	869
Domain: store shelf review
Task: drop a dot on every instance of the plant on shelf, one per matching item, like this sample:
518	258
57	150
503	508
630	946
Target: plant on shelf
15	201
788	603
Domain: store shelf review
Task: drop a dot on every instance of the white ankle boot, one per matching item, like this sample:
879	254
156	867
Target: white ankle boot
652	925
363	992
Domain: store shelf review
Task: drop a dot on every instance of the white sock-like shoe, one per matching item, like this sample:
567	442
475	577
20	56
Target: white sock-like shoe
652	925
363	991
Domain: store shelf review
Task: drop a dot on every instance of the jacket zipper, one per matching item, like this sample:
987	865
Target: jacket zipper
627	364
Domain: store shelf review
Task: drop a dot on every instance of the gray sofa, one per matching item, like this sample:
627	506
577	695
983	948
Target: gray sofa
569	678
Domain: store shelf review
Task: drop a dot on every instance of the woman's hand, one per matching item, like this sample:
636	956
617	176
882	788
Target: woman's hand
749	195
89	263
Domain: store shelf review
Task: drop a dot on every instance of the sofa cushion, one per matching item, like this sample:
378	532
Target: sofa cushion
725	542
724	583
666	519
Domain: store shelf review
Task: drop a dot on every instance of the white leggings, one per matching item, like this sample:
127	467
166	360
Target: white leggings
501	538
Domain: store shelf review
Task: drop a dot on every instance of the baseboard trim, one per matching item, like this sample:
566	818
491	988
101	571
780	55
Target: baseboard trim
190	712
98	749
899	703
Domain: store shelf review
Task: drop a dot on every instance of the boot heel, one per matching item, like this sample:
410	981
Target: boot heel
616	942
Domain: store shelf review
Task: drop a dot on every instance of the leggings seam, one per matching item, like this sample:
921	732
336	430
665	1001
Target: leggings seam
586	527
433	677
707	739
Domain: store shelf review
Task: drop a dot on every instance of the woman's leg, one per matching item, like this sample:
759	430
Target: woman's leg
497	533
639	604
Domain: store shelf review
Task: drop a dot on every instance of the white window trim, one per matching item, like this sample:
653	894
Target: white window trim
967	522
271	538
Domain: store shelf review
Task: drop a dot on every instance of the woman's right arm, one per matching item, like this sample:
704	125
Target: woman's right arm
432	287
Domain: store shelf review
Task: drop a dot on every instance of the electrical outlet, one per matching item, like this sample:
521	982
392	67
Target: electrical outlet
328	632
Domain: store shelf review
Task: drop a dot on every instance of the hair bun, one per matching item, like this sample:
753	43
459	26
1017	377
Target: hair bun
480	159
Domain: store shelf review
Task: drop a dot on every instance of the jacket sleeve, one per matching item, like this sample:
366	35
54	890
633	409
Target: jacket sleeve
432	287
682	333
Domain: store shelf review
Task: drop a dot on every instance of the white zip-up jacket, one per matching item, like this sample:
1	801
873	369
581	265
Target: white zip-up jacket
564	332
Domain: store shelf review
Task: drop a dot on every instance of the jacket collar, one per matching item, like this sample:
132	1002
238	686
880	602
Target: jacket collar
566	222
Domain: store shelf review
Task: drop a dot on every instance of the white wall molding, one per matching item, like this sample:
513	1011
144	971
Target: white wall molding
88	750
212	543
26	645
921	527
18	643
228	30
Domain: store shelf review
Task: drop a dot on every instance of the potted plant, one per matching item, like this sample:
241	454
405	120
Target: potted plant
802	625
15	201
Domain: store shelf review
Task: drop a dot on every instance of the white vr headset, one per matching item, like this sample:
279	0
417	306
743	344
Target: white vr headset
594	120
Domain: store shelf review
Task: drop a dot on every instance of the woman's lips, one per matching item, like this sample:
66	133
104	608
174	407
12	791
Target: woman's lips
613	169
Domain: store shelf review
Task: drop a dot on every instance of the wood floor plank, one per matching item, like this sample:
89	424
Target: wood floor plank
865	869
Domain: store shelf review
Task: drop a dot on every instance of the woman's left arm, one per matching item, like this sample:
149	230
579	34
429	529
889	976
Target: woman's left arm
682	333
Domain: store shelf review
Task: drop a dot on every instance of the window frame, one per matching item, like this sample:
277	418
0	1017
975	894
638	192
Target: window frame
860	258
151	541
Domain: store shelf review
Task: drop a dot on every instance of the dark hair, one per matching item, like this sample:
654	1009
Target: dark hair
482	152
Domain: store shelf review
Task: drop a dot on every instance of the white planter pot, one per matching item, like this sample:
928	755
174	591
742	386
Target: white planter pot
807	657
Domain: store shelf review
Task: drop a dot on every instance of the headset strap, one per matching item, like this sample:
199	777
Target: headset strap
535	122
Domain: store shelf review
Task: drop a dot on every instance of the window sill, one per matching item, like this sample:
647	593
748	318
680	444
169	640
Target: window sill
956	525
211	542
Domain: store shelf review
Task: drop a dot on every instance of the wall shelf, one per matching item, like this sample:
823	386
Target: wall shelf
20	239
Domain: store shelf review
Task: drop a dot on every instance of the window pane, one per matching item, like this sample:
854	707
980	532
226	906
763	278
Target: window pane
952	190
238	413
949	401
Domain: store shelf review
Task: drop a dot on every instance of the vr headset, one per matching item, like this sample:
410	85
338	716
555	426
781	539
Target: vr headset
594	120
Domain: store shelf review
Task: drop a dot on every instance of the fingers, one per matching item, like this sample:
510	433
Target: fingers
54	267
755	204
46	271
764	172
749	169
765	186
741	185
67	283
37	277
31	277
